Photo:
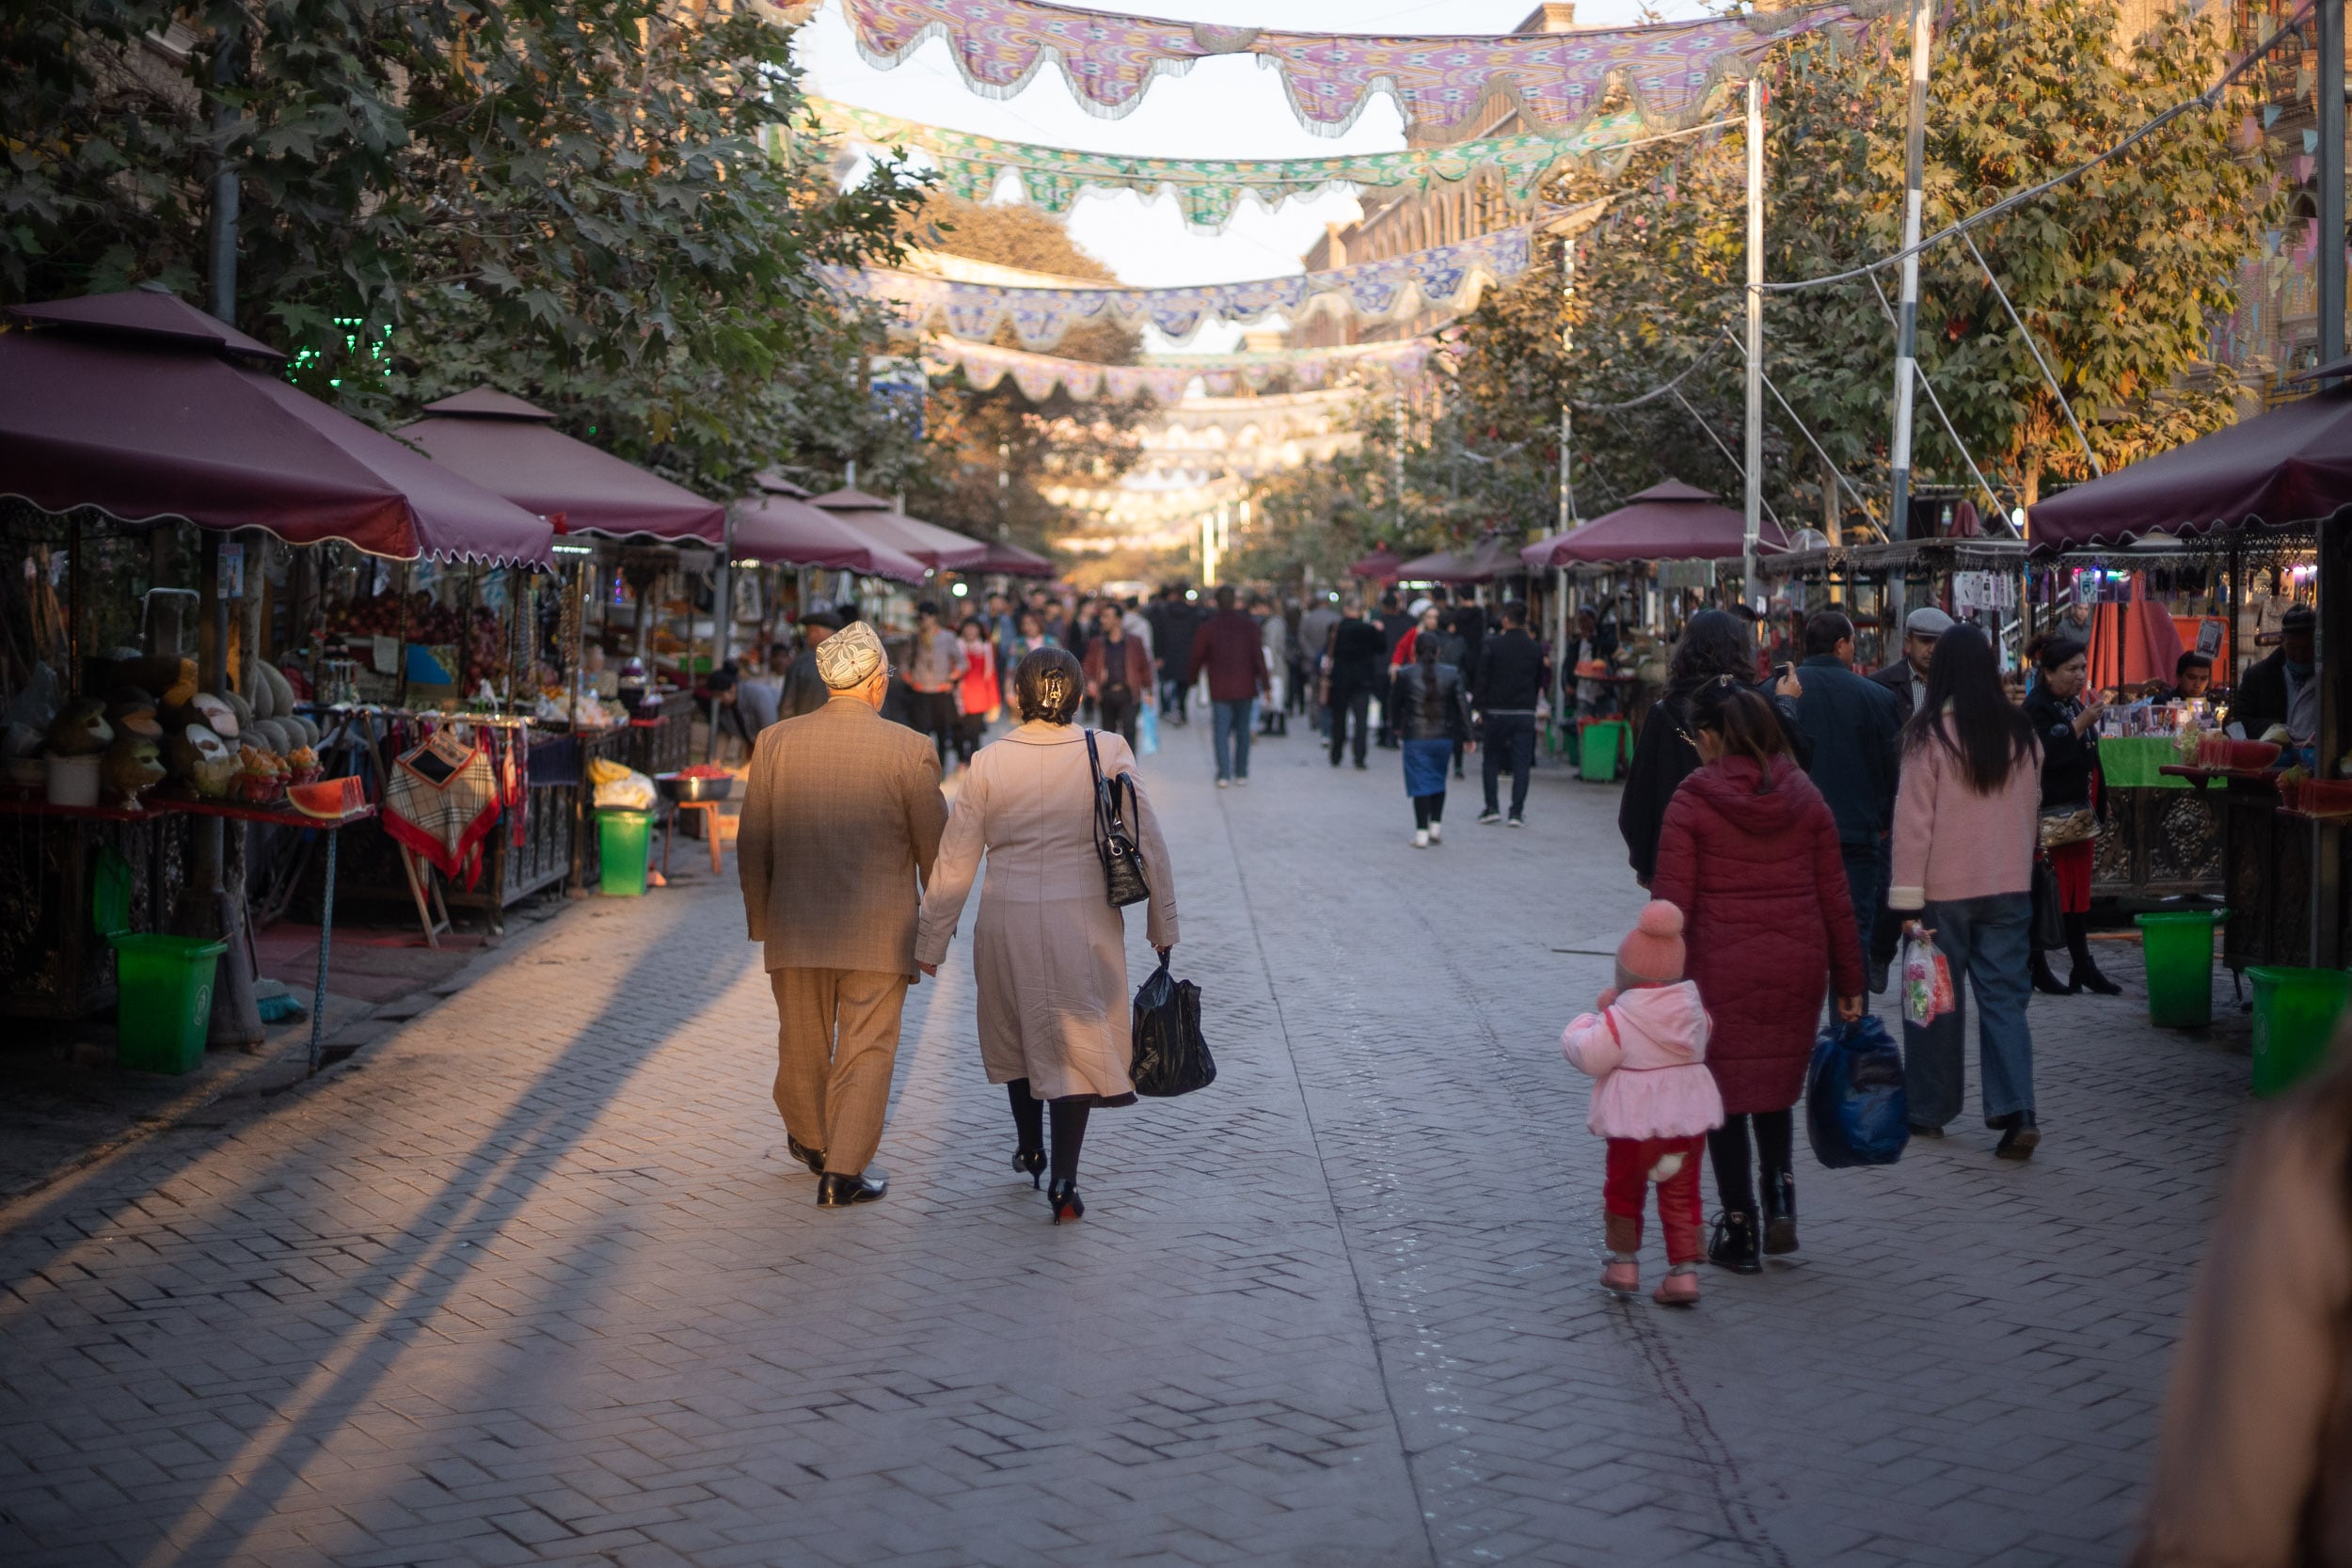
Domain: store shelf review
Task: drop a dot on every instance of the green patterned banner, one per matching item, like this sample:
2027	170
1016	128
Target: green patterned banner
1208	189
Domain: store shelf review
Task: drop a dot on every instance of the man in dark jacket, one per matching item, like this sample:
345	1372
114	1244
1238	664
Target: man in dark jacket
804	691
1852	724
1172	625
1395	623
1359	666
2267	693
1505	687
1231	647
1469	623
1907	677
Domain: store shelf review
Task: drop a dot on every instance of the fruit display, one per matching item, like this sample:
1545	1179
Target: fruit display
433	625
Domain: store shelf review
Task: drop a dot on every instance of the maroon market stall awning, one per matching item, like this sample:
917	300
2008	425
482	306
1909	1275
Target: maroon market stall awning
780	529
1492	557
940	548
504	444
1669	521
2292	465
1014	562
1381	564
143	406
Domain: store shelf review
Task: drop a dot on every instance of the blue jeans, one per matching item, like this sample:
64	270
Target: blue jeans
1232	720
1987	941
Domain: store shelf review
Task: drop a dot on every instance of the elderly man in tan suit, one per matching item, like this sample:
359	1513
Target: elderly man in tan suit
842	817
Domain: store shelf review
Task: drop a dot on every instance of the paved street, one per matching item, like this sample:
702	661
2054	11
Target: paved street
522	1283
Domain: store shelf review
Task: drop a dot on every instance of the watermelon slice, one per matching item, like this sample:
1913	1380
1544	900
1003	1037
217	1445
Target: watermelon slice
329	798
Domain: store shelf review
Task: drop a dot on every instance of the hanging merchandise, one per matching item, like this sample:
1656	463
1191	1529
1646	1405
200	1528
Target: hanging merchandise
1443	277
441	800
1559	80
1208	190
1163	377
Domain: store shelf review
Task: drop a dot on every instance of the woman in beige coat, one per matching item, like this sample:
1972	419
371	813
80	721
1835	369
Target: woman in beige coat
1049	949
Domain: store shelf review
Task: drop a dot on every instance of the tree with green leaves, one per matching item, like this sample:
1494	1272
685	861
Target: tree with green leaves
2118	273
580	203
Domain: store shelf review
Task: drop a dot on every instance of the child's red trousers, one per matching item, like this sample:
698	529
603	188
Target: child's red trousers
1622	1195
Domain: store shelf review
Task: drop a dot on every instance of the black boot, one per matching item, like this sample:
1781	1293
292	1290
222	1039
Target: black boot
2044	981
2087	975
1734	1245
1780	1210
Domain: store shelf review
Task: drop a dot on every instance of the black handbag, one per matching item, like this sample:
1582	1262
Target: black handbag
1124	882
1170	1058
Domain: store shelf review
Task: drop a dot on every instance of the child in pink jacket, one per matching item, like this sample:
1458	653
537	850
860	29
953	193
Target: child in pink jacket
1653	1100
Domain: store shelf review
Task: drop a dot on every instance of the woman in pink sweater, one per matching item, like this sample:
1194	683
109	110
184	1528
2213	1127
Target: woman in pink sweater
1965	819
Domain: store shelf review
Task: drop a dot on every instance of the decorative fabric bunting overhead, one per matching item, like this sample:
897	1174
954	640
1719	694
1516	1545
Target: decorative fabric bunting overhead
1444	277
1209	189
1559	79
1164	377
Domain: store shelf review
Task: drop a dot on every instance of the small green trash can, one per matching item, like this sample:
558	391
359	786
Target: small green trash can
1597	749
2294	1017
2178	945
164	1000
625	840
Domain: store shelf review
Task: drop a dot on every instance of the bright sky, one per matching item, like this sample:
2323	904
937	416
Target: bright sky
1227	108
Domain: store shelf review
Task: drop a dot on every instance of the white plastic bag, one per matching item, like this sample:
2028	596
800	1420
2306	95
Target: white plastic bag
1927	981
634	792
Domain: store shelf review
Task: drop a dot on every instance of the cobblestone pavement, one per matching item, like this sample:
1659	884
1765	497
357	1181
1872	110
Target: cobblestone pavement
524	1283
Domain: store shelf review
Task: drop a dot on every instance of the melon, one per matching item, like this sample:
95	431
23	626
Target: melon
258	690
281	704
327	799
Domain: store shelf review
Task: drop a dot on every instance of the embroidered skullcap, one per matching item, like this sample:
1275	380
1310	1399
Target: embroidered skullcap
850	657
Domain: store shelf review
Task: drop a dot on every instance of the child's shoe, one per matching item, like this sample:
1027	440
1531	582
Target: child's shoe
1621	1276
1680	1287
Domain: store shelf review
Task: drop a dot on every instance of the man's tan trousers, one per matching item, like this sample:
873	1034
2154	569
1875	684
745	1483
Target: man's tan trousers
836	1040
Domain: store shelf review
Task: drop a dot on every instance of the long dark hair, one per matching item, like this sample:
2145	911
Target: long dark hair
1745	720
1714	642
1990	735
1426	656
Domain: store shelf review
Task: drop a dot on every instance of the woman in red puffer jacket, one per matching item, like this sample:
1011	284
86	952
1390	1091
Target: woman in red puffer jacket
1748	851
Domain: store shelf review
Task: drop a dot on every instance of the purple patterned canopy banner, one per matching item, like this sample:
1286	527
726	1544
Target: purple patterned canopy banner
1560	79
1443	277
1164	377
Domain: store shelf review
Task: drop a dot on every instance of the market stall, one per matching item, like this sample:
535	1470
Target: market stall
137	430
2277	482
627	535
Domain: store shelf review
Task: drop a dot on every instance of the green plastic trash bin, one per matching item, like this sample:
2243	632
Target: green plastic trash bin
2178	945
625	840
1597	749
163	985
2294	1018
164	1000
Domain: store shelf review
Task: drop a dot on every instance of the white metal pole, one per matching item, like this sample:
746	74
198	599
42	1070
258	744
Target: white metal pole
1754	521
1907	317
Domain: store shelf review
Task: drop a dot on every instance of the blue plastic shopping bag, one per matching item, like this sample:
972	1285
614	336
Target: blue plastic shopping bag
1147	730
1854	1110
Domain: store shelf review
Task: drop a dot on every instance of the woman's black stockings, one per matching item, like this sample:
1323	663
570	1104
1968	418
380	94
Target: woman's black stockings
1069	1127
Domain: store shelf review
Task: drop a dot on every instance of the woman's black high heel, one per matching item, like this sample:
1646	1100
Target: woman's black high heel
1030	1162
1063	1196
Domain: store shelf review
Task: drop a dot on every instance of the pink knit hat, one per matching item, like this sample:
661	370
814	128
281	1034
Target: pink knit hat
1652	953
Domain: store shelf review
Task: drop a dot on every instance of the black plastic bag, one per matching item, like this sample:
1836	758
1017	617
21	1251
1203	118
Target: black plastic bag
1854	1109
2049	919
1170	1058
